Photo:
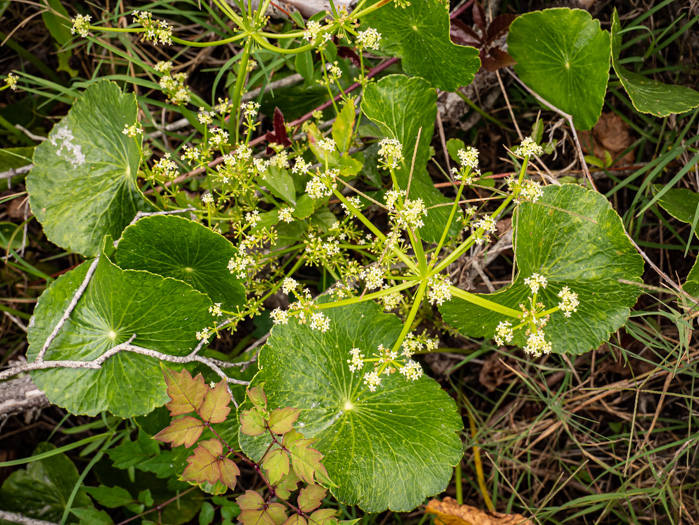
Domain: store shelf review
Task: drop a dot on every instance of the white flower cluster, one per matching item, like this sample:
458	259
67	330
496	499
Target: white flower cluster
373	277
439	289
537	345
535	282
392	197
487	225
390	153
413	344
239	264
504	333
320	322
357	360
411	214
314	32
166	168
391	301
173	85
321	186
368	39
569	301
301	167
250	109
215	310
285	214
157	31
527	191
289	284
279	316
81	25
132	131
469	158
411	370
528	148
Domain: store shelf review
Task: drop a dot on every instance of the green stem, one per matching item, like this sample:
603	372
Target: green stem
417	302
369	9
446	229
374	229
239	85
367	297
485	303
208	44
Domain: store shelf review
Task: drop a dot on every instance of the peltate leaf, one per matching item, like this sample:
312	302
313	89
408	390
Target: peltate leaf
573	238
648	95
402	107
182	249
164	313
563	55
386	449
419	33
83	185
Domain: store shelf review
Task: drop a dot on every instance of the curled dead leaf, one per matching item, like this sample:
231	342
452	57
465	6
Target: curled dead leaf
449	512
610	134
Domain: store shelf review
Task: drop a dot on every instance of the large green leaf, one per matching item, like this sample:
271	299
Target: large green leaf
563	55
402	107
42	490
574	238
419	34
691	285
648	95
176	247
681	203
83	185
386	449
164	313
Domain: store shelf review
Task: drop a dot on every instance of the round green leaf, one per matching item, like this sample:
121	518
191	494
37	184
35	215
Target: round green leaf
648	95
691	285
386	449
182	249
164	313
402	107
419	34
83	185
574	238
681	203
563	55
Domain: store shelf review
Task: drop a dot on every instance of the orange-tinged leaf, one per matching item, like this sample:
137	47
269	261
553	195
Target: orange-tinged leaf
229	472
251	500
214	446
282	420
311	497
278	512
202	465
306	461
296	519
323	517
256	517
252	423
184	431
449	512
186	393
276	463
287	485
215	407
257	396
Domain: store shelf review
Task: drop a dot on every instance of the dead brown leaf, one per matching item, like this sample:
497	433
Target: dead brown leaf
609	134
449	512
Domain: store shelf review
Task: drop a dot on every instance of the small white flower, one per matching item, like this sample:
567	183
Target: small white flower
289	284
537	344
411	370
81	25
207	198
372	380
319	322
357	360
504	333
327	144
390	153
215	310
468	157
11	81
369	39
439	289
535	282
528	148
569	301
301	166
285	214
279	316
132	131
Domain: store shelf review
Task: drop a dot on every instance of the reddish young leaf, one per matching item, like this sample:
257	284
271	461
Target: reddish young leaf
498	27
479	16
229	472
215	407
278	136
251	500
287	485
311	497
257	396
203	465
282	420
186	393
184	431
348	52
495	58
277	512
252	423
460	33
255	517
